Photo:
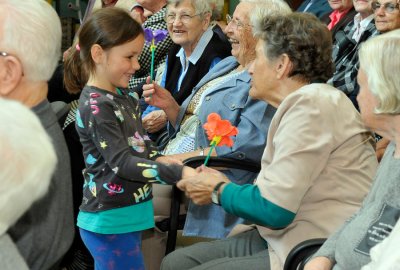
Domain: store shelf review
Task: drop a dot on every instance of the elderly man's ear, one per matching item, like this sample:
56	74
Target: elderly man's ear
11	73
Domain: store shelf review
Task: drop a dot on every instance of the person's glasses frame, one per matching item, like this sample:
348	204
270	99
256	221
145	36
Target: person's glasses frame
388	7
183	18
236	23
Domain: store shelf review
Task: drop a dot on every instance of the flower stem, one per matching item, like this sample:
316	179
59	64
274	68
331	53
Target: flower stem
153	49
212	146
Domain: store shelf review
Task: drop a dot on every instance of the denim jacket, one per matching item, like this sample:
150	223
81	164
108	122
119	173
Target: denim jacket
252	118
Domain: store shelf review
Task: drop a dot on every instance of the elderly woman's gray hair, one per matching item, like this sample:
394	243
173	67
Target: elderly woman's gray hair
380	60
202	7
303	38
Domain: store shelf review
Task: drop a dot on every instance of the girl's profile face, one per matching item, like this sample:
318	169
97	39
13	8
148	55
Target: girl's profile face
120	63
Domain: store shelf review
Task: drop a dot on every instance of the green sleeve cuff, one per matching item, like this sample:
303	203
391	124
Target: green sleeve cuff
246	202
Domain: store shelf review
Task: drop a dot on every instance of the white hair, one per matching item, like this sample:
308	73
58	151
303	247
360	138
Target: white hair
27	161
32	32
379	59
200	6
266	8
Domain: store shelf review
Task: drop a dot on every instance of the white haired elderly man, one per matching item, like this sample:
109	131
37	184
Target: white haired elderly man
27	162
30	47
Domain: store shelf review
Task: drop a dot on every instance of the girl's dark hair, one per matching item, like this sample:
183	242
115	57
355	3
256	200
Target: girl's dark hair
107	27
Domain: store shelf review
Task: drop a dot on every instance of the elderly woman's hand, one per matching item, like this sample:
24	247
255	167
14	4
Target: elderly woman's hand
169	160
200	187
157	96
319	263
137	13
154	121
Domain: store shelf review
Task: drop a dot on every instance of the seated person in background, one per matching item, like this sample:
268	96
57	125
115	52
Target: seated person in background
217	7
27	162
343	13
156	21
224	90
92	6
317	165
345	49
387	18
379	101
198	46
30	42
317	7
139	13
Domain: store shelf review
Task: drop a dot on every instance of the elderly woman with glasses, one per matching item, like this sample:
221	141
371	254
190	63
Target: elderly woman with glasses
379	101
387	18
317	165
387	15
224	90
199	45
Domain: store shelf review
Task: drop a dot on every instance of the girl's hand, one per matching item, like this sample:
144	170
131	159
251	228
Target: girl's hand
200	186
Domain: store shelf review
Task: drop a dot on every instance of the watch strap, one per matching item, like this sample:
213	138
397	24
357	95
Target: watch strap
216	194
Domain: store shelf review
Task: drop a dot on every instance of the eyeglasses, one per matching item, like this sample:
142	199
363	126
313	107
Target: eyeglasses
184	18
237	24
389	7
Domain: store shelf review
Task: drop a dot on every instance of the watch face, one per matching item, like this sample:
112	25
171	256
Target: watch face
214	197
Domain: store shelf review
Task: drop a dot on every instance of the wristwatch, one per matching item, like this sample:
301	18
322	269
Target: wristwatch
215	195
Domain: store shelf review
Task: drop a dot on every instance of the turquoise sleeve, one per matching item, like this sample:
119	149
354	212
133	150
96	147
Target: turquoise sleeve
246	202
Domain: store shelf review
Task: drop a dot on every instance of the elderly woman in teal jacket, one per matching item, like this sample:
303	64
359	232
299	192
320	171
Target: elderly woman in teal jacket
317	165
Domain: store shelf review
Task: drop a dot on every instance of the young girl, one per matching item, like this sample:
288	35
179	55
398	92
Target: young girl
118	154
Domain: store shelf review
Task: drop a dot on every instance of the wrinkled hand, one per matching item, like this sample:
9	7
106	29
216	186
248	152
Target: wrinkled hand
319	263
154	121
200	187
168	160
137	13
157	96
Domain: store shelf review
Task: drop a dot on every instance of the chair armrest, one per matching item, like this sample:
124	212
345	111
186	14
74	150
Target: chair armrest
197	161
162	139
300	254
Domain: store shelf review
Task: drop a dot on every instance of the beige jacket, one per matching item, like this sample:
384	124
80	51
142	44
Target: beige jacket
319	163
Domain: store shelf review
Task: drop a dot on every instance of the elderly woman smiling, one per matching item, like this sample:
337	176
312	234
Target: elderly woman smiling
317	165
224	90
199	45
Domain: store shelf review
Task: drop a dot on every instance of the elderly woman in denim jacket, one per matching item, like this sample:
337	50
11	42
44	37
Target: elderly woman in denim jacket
224	90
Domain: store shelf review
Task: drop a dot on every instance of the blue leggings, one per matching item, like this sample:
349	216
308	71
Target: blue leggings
114	251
